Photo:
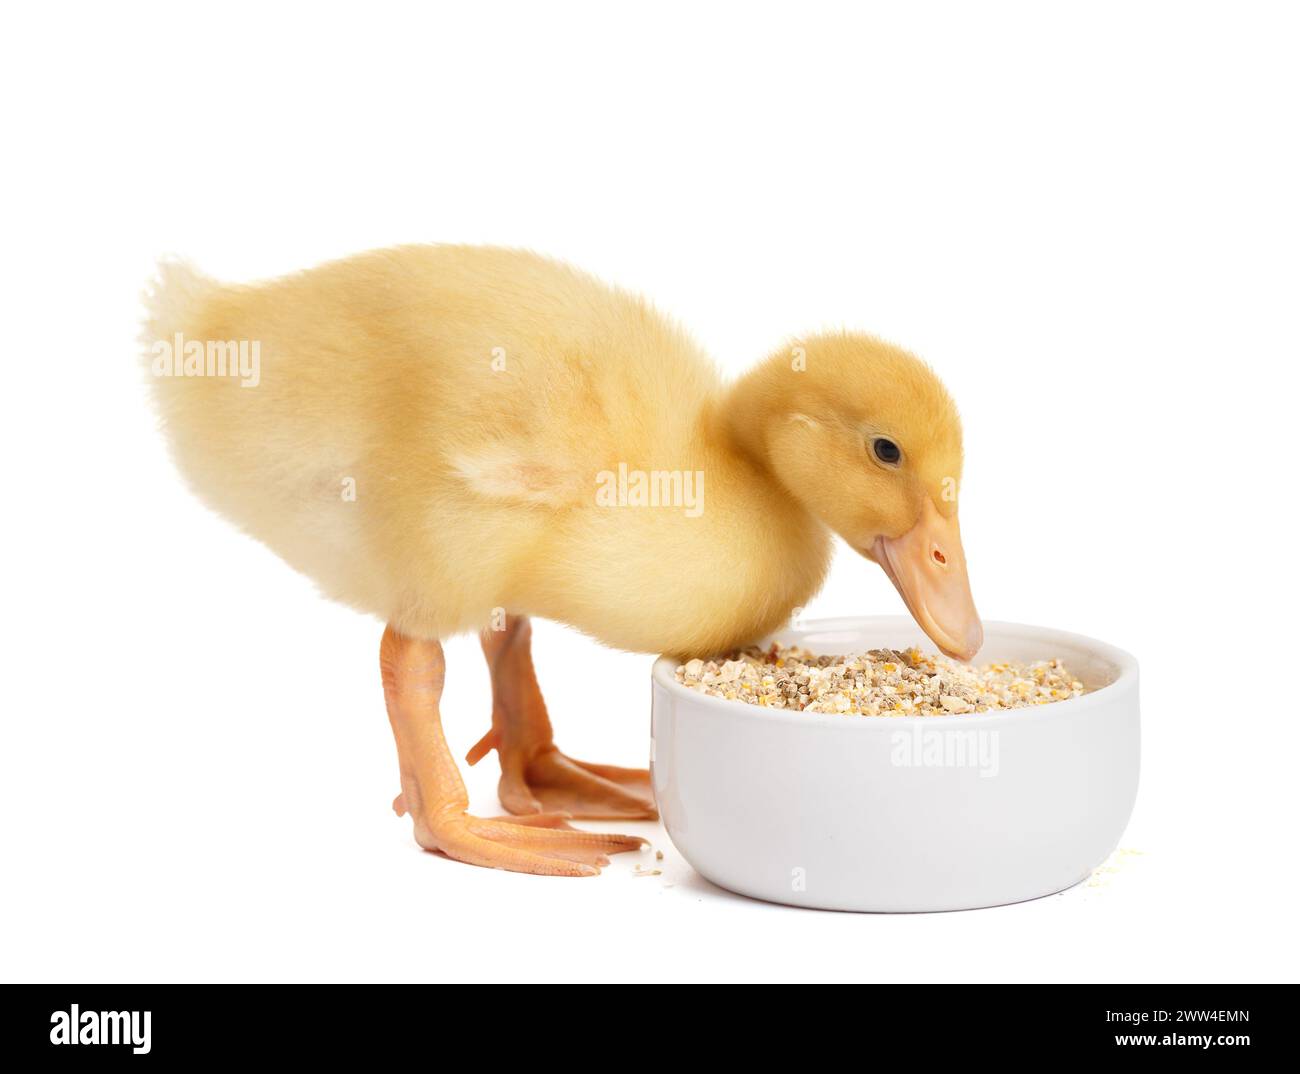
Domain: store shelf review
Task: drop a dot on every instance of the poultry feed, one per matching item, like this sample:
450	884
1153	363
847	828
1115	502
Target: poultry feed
881	682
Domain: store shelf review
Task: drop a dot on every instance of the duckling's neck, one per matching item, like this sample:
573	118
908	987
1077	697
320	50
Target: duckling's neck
766	523
746	411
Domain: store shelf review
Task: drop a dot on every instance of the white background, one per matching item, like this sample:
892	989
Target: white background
1085	219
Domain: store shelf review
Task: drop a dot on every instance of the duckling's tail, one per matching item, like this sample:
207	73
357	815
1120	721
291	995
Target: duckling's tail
173	300
193	373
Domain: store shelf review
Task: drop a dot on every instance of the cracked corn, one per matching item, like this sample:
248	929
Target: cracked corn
882	682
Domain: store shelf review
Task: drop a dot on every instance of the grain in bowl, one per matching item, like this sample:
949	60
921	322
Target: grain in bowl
877	682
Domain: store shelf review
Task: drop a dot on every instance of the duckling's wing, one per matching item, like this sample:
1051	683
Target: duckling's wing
520	473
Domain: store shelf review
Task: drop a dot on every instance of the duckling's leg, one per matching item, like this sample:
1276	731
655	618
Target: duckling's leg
535	776
434	794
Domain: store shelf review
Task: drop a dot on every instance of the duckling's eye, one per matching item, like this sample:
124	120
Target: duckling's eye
886	451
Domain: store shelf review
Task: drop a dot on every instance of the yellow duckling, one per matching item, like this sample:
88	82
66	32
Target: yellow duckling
457	438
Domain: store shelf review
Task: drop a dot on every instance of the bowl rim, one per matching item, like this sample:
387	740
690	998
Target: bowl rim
664	674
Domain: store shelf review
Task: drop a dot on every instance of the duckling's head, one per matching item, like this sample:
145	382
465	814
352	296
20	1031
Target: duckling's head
868	440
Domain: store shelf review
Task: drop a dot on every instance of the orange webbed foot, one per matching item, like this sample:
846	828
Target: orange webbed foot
544	844
535	776
434	794
554	782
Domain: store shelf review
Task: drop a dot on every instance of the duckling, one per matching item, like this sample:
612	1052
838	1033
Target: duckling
457	438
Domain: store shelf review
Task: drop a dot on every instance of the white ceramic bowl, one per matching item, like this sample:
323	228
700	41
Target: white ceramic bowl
901	813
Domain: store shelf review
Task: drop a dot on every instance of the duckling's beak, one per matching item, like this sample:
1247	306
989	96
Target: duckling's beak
928	567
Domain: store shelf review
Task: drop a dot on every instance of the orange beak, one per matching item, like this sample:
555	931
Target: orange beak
928	568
